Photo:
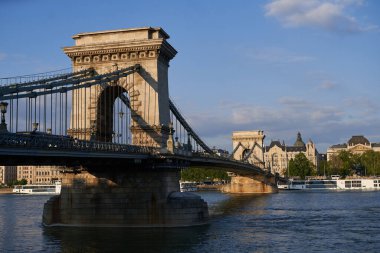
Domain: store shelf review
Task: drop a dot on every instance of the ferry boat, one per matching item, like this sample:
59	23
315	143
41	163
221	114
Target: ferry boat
186	186
332	184
52	189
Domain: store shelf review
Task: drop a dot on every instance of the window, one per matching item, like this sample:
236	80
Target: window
356	184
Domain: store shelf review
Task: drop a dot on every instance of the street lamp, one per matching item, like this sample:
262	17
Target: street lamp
35	126
3	109
93	131
121	114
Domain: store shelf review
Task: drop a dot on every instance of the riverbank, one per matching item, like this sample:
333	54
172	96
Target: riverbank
5	190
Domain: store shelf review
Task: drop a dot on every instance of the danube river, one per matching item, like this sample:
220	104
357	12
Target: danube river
309	221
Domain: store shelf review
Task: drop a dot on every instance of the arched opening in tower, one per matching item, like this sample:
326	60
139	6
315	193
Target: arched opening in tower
114	117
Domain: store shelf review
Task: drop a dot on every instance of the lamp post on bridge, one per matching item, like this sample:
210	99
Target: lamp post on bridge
93	132
35	126
121	115
3	109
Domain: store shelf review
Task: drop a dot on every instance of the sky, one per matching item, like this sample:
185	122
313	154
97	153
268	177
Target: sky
281	66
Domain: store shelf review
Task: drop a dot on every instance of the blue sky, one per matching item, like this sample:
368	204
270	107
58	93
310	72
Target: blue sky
281	66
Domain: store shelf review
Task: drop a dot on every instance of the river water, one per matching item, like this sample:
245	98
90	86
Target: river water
295	221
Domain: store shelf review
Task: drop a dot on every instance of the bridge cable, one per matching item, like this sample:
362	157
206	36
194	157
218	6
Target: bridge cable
188	128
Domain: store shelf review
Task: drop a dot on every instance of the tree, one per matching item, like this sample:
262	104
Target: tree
201	175
323	168
19	182
334	166
301	166
23	181
345	163
371	162
348	162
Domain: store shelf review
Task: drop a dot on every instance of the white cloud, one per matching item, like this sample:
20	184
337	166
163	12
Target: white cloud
277	55
331	15
325	124
293	102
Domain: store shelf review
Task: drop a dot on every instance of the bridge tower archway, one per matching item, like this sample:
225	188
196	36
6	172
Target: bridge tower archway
148	91
113	115
248	146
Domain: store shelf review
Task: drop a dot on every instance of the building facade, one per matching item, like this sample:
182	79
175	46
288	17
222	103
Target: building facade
357	144
39	174
8	174
277	155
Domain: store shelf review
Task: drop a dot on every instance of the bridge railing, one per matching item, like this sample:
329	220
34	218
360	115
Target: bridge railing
231	162
35	77
218	157
41	141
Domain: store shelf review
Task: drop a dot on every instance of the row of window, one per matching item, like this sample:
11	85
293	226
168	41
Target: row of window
43	180
349	184
39	173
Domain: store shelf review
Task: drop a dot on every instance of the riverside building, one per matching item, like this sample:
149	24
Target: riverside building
277	155
357	144
249	146
39	174
8	174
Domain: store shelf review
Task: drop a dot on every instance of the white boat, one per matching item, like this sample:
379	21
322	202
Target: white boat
332	184
186	186
40	189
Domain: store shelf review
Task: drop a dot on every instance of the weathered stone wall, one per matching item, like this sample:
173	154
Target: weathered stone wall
249	185
135	198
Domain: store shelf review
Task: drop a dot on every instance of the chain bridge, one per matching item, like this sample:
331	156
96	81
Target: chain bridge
111	123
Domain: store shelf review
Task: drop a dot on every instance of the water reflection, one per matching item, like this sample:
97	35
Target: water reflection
252	204
284	222
188	239
124	239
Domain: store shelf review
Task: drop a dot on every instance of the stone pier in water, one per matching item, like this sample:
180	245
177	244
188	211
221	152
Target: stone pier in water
256	184
124	199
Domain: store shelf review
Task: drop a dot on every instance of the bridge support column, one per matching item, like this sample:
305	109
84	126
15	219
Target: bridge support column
137	198
258	184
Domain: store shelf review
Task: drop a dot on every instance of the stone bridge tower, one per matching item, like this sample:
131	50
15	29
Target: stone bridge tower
117	192
248	146
106	51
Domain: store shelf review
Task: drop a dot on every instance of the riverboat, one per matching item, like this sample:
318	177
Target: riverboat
186	186
332	184
50	189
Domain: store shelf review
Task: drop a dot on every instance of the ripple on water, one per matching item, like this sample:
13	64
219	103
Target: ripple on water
285	222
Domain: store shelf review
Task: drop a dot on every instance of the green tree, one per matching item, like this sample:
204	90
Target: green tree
301	166
345	163
19	182
348	162
201	175
323	168
23	181
370	161
334	166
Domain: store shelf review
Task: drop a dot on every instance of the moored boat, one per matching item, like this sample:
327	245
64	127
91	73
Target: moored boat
332	184
40	189
186	186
